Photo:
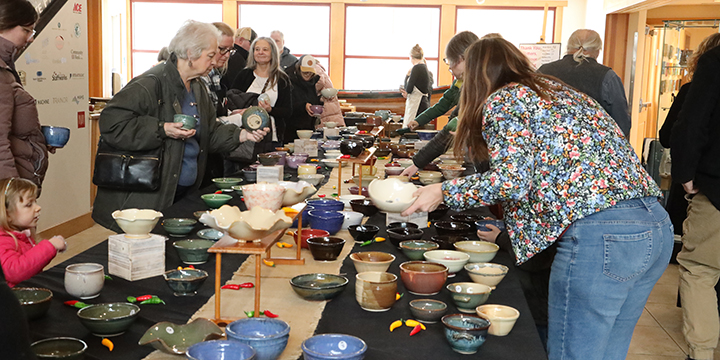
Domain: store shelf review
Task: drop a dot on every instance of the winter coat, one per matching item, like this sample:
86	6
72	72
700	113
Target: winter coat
303	93
331	107
133	121
287	59
23	152
22	260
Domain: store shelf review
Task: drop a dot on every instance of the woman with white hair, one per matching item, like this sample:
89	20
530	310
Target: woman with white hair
140	118
580	69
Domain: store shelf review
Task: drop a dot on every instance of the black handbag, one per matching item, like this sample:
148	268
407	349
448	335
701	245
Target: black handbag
237	99
124	170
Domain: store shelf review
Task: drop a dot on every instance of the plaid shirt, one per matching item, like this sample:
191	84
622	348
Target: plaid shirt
212	82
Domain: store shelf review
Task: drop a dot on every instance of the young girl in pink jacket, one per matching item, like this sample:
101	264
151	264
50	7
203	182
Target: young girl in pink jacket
20	257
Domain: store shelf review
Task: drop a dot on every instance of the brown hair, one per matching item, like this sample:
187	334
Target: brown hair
490	64
13	191
705	45
17	13
455	48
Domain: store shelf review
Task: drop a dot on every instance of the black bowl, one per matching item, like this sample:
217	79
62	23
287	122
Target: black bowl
439	212
446	241
452	228
469	219
352	147
368	140
394	225
363	233
399	234
325	248
364	206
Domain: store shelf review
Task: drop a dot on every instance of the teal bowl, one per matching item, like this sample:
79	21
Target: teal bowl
185	282
226	183
318	286
59	348
178	226
35	302
210	234
108	319
216	200
428	311
414	249
193	251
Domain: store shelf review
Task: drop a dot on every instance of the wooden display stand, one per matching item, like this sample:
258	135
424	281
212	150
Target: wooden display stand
360	159
228	245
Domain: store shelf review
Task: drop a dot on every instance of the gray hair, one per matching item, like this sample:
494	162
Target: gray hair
192	38
582	42
275	70
282	36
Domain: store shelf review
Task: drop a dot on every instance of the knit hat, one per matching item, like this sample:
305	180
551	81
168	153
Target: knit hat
244	32
307	63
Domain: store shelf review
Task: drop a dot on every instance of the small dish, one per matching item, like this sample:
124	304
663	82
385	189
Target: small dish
177	338
185	282
427	311
210	234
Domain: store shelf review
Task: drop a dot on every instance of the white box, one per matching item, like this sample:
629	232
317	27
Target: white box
136	268
306	146
419	218
121	246
270	174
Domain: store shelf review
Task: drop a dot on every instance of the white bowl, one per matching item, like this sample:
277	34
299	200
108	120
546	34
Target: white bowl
268	196
430	177
314	179
346	199
296	192
392	195
454	260
84	280
331	163
486	273
137	223
329	92
405	163
351	218
502	318
479	251
251	225
304	134
330	124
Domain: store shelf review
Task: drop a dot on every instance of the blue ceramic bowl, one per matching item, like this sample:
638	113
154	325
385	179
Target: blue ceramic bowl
426	134
481	224
267	336
330	221
465	332
220	350
56	136
329	205
333	346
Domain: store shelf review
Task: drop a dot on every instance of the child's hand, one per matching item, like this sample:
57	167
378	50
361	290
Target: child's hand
59	243
489	236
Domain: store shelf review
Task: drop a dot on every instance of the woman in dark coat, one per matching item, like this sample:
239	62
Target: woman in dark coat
304	78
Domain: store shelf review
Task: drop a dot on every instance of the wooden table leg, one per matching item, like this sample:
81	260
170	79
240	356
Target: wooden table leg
258	260
218	266
298	241
339	189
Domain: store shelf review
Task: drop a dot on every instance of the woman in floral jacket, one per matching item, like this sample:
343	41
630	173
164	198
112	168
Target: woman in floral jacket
563	172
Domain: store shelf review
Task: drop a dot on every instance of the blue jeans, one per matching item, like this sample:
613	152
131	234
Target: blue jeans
605	267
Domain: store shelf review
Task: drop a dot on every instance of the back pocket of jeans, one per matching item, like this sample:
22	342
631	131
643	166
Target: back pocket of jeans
626	255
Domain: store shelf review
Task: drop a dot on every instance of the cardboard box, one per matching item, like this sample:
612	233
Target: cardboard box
419	218
270	174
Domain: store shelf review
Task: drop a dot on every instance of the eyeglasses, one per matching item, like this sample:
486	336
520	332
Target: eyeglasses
224	51
29	30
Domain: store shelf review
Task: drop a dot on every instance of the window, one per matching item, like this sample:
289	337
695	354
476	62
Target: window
378	40
518	26
151	32
306	28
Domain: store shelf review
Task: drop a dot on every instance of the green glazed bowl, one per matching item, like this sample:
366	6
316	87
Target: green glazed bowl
178	226
210	234
414	249
64	348
226	183
216	200
193	251
34	301
188	121
175	339
185	282
108	319
318	286
238	189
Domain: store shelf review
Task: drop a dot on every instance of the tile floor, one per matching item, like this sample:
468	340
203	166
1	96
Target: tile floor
658	334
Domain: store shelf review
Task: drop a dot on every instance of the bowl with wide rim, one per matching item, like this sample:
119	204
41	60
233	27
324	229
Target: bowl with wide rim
296	192
318	286
333	347
34	301
489	274
454	260
178	227
185	282
414	249
108	319
392	195
251	225
136	223
502	318
220	350
423	277
215	201
314	179
372	261
177	338
479	251
427	311
226	182
267	336
65	348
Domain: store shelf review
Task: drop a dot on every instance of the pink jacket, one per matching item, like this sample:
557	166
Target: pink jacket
331	107
23	260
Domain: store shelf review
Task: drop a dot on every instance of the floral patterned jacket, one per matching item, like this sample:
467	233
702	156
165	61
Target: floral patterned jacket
551	163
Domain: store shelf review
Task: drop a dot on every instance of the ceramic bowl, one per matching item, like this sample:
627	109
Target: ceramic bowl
251	225
35	302
55	136
430	177
398	235
502	318
414	249
108	319
333	347
439	212
365	127
368	140
249	174
375	291
309	233
402	224
363	233
318	286
372	261
198	214
283	156
314	179
267	196
215	201
326	248
328	92
351	218
423	277
392	195
269	159
346	199
452	228
480	224
193	251
366	180
176	338
268	337
352	147
304	134
330	124
454	260
451	171
220	350
365	206
226	183
479	251
84	280
330	221
355	191
185	282
136	223
316	109
426	134
393	170
178	226
210	234
427	311
327	205
296	192
447	242
465	332
295	160
486	273
468	295
382	152
333	163
59	348
469	219
333	138
405	163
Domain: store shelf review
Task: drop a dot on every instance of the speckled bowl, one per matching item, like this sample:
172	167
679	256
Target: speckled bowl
318	286
185	282
177	338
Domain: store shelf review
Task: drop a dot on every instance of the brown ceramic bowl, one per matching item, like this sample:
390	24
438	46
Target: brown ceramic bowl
365	126
382	152
269	159
423	277
354	190
325	248
309	233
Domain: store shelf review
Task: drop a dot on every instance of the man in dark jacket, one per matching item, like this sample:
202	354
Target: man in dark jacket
243	39
286	58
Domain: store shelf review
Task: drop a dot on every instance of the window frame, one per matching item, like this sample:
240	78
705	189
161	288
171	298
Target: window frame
541	8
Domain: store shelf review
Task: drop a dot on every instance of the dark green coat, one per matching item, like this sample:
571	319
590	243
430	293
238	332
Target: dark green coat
133	120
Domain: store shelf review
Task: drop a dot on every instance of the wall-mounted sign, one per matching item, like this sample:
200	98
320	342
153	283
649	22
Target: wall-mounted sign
541	54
